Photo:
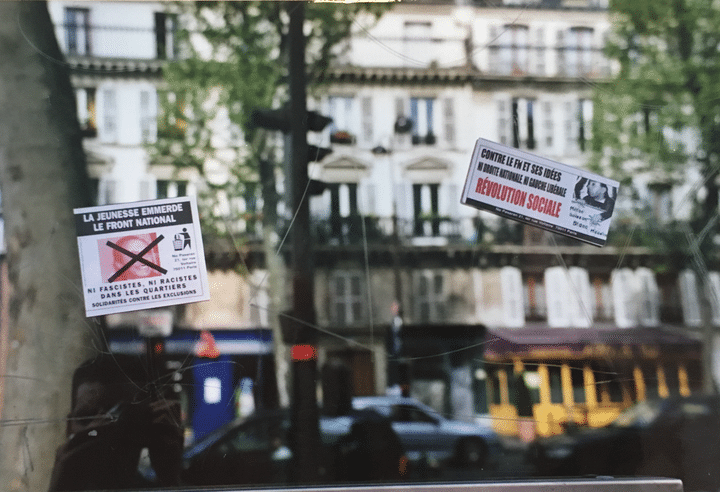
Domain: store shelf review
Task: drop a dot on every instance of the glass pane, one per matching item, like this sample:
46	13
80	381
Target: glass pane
357	311
253	262
672	379
578	384
355	285
340	312
556	393
340	286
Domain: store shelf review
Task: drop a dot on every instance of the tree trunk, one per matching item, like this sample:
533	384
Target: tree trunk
42	177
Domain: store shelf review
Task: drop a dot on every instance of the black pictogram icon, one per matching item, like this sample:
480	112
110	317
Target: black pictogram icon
136	257
182	240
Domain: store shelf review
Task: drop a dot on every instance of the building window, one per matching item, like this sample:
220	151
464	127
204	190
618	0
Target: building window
341	111
523	118
608	383
426	209
421	114
430	296
87	116
535	307
510	50
578	125
344	215
577	54
347	297
577	378
672	379
77	31
652	382
494	385
514	50
603	299
170	189
555	376
165	35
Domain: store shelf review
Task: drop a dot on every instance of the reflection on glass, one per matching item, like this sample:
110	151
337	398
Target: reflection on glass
357	272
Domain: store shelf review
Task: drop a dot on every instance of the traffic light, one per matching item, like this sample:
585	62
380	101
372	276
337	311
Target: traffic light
270	119
317	122
279	120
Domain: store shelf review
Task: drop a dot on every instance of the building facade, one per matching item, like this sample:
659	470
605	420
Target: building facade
409	96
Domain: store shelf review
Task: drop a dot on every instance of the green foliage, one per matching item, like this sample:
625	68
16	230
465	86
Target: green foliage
233	60
661	113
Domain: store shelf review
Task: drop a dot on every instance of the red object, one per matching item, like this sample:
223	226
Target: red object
304	352
206	346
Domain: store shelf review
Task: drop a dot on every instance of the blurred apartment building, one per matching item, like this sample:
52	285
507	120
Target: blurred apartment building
408	98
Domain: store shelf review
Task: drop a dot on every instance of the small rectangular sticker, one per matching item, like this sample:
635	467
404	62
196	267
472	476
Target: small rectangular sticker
537	191
141	255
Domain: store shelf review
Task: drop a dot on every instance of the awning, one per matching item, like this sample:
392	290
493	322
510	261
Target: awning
607	341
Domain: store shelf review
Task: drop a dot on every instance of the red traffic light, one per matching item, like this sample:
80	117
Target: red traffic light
304	352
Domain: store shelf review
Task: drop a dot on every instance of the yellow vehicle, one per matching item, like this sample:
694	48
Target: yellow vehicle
542	380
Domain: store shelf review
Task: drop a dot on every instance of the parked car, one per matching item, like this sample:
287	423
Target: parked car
427	435
675	438
253	450
257	450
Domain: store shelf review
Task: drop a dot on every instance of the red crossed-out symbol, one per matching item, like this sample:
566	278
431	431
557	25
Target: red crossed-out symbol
136	257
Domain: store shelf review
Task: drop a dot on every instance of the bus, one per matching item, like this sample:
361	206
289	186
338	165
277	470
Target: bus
542	381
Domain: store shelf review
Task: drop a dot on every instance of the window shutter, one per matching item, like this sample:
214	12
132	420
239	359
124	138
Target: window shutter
713	293
512	297
108	192
689	298
649	298
624	297
145	187
366	117
110	124
449	117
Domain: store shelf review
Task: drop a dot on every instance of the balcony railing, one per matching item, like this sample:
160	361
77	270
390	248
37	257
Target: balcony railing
501	60
562	61
356	230
382	232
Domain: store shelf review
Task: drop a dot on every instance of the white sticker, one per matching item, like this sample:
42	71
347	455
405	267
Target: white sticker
141	255
537	191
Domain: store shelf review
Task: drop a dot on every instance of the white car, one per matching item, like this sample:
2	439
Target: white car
427	435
